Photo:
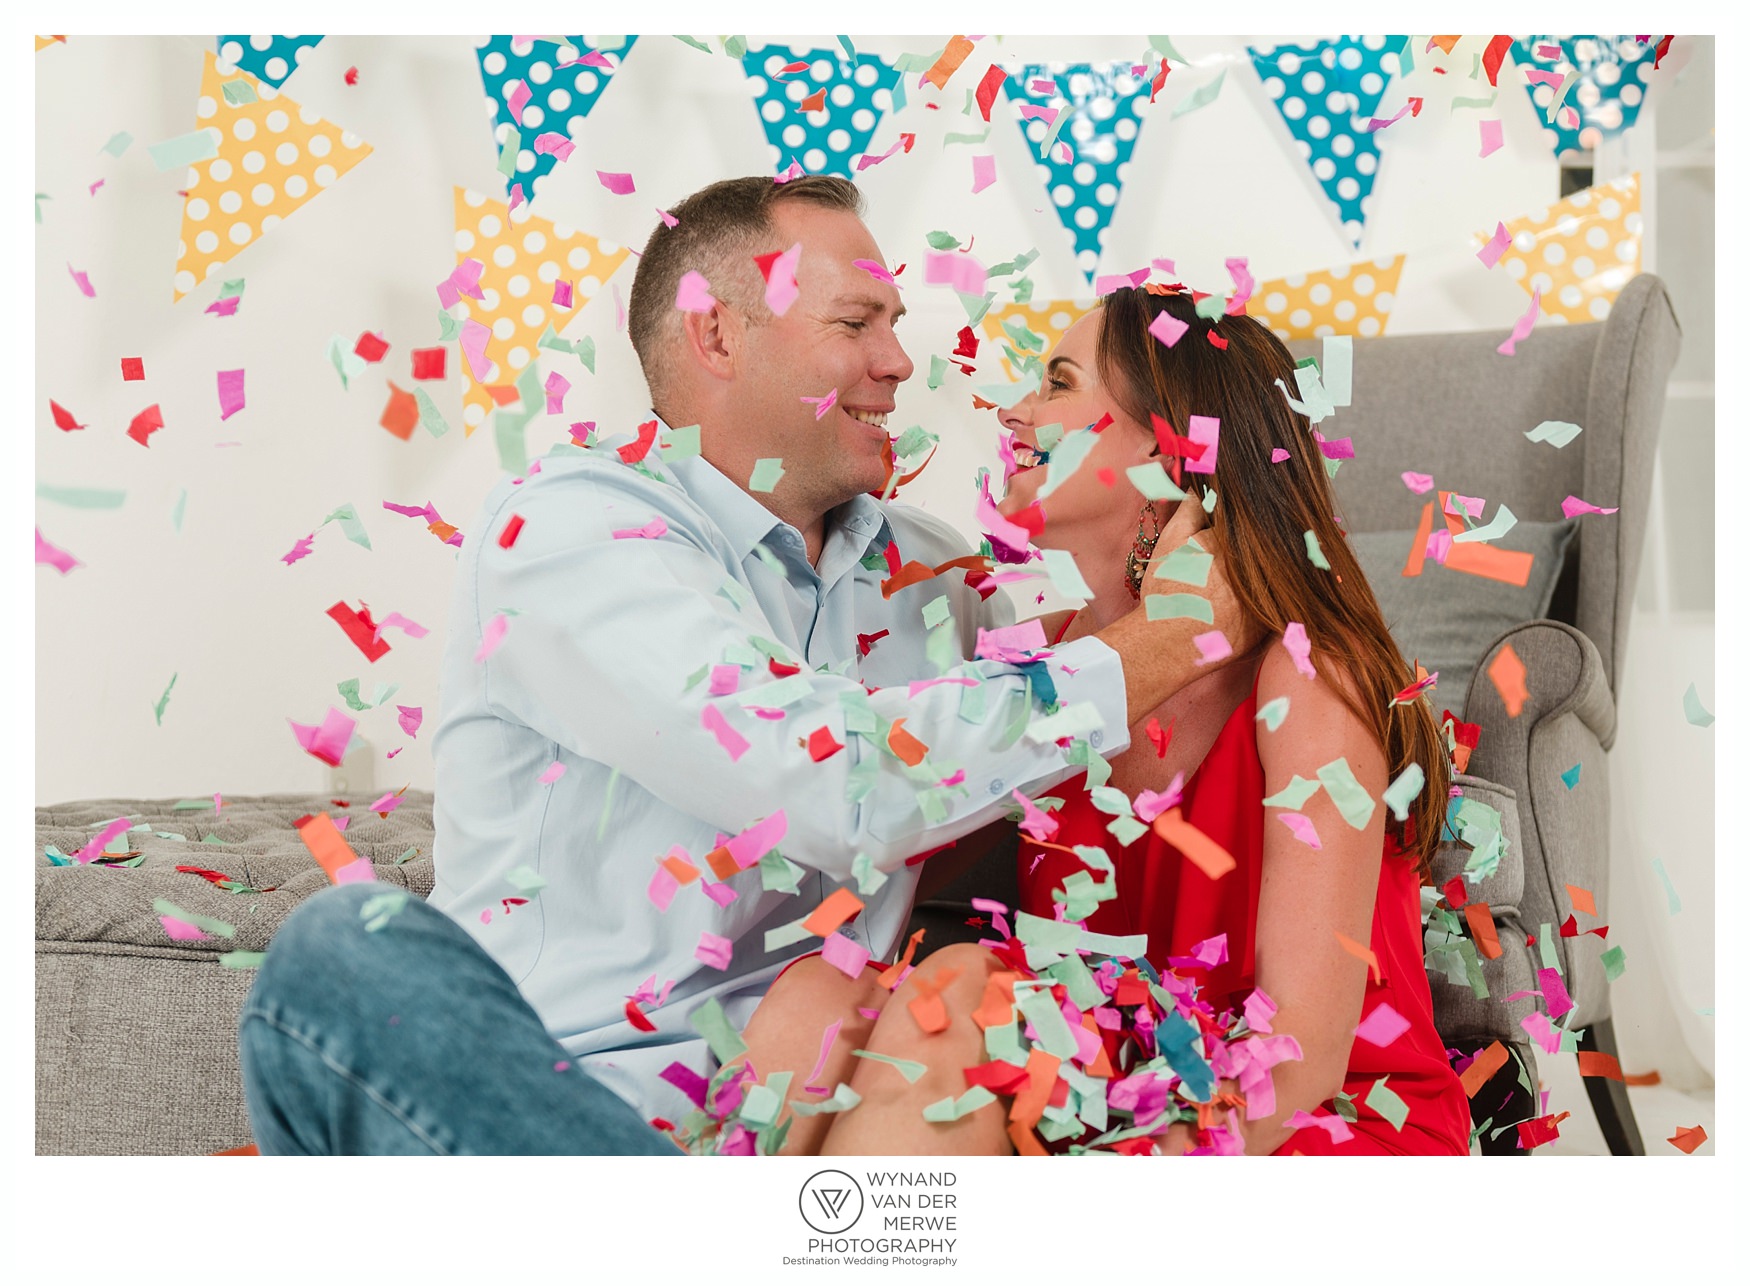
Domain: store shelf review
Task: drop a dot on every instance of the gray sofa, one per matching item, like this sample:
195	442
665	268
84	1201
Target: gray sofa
135	1034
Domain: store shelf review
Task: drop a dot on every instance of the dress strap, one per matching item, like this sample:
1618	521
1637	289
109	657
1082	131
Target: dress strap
1064	628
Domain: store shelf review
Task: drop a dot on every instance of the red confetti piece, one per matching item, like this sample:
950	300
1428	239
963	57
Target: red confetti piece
512	530
371	347
360	628
987	89
641	448
133	368
635	1016
352	75
822	744
64	420
145	424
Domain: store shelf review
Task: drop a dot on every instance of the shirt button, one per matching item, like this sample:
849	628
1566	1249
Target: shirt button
996	788
1095	738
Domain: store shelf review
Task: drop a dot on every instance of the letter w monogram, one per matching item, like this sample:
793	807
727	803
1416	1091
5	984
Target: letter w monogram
832	1200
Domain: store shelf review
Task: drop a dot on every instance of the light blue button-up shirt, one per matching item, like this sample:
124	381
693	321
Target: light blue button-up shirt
641	616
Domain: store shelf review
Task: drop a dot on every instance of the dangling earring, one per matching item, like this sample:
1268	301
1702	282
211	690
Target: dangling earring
1148	531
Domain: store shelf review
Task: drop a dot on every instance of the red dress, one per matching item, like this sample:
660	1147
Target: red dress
1165	895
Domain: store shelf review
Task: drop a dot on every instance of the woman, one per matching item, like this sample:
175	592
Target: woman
1321	909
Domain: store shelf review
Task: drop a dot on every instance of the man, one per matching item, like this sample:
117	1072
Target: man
682	704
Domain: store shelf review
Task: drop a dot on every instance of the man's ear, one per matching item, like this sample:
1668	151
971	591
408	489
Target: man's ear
713	339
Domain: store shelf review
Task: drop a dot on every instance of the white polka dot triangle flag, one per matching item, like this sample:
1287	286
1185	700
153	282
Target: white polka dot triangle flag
818	107
1082	120
268	157
540	89
1326	93
528	265
268	58
1586	88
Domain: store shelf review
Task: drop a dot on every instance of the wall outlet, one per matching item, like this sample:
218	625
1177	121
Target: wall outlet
355	776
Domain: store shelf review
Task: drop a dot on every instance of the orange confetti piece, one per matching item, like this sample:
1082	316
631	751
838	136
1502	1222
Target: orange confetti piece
1025	1143
889	977
911	573
401	416
928	1007
442	530
1582	899
1509	566
907	748
815	102
839	906
998	1006
1101	1066
1645	1078
326	844
1029	1104
1482	1067
949	63
722	863
1419	546
683	871
1593	1063
1482	930
1203	853
1507	673
1444	43
1362	953
1688	1138
247	1150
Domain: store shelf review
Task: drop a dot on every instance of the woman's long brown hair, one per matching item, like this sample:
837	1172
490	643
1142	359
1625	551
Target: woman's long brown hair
1264	511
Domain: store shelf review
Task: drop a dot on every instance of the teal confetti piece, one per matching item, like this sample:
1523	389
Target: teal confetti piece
507	155
869	880
406	857
205	923
935	612
348	518
848	47
786	935
238	92
1203	96
382	907
1054	1035
905	1066
1189	564
526	880
1067	457
779	874
712	1023
1351	799
158	706
242	959
1498	526
40	198
1172	607
1693	710
1613	963
1209	499
760	1104
1402	791
1066	578
1558	433
119	142
1384	1100
1673	904
1153	481
1571	778
767	472
1294	794
81	497
679	444
1272	713
430	418
952	1109
176	513
1314	554
184	150
843	1099
345	361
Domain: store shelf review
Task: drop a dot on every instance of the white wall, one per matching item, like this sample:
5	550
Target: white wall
247	634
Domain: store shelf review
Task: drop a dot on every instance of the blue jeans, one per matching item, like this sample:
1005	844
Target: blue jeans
409	1039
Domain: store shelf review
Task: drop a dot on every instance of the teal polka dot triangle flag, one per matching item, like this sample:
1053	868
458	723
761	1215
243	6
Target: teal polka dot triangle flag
1085	118
1326	93
267	58
846	103
551	96
1609	76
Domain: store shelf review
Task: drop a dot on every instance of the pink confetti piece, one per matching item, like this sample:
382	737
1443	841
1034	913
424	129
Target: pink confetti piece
1206	430
992	521
951	268
1572	507
1213	646
554	144
1491	253
225	307
83	282
663	886
1035	823
781	288
822	405
394	620
474	337
1439	545
619	309
359	872
1382	1025
1105	285
386	803
1539	76
1033	112
562	296
1207	954
92	189
491	635
394	752
54	556
1544	1036
101	840
1491	135
328	742
1168	329
1420	483
713	951
721	894
1243	284
181	930
617	183
732	741
218	803
954	779
984	172
793	170
1335	448
875	270
552	773
1299	648
845	955
866	161
517	98
759	839
230	393
667	218
594	58
655	529
410	717
1011	642
516	198
1278	455
557	386
1522	327
918	685
827	1038
1302	827
464	280
1164	265
1150	804
1555	994
724	679
1041	85
1462	506
1259	1010
1335	1126
694	294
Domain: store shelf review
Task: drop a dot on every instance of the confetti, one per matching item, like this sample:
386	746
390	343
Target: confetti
1693	710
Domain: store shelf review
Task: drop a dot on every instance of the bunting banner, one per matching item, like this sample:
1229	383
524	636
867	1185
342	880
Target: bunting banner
1326	93
267	156
1351	299
527	266
818	107
267	58
43	42
1585	88
540	86
1082	122
1580	252
1031	330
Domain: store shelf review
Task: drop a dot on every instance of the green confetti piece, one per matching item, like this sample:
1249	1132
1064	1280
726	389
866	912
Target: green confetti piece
507	155
1403	790
1109	799
1172	607
1344	1106
735	47
1153	481
242	959
526	880
869	880
1693	710
1294	794
1613	963
779	874
1003	1043
1189	564
679	444
430	418
449	328
1384	1100
1066	578
40	198
406	857
942	648
712	1023
1498	526
935	612
508	437
119	142
238	92
1558	433
348	364
948	139
601	829
938	371
1351	799
1485	102
1314	554
185	150
843	1099
81	497
191	805
348	518
1209	499
158	706
696	43
1054	1036
383	907
760	1105
785	934
1673	904
1546	947
1272	713
205	923
952	1109
212	839
905	1066
1202	97
1066	458
766	474
1164	45
1075	720
942	240
176	513
1571	778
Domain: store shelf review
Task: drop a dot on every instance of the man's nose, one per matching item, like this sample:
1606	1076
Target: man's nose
891	362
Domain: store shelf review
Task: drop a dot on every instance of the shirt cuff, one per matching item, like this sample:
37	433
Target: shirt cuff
1087	671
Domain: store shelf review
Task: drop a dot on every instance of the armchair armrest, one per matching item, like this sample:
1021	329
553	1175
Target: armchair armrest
1565	725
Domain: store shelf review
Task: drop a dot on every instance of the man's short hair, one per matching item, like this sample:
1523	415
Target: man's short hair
718	232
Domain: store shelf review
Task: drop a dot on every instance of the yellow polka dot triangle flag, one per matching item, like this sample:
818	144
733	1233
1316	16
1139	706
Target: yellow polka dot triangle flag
516	275
1580	252
1031	329
1350	299
254	158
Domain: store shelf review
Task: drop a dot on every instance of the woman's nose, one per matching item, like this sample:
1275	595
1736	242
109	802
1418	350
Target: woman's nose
1018	416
